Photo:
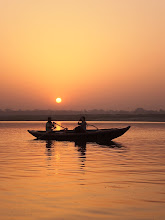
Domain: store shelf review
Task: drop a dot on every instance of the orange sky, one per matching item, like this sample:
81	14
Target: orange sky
104	54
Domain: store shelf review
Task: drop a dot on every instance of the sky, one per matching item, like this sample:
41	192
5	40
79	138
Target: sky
94	54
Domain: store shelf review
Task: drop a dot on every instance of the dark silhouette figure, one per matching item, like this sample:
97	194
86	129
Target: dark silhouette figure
82	125
50	125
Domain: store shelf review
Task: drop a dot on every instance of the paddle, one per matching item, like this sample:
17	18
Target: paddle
60	126
93	126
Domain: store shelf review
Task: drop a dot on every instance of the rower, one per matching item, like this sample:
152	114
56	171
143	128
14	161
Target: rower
82	125
50	125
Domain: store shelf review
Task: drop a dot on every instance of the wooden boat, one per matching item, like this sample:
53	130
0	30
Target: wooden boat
71	135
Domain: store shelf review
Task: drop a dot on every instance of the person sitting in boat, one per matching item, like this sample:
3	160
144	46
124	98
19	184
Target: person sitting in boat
50	125
82	125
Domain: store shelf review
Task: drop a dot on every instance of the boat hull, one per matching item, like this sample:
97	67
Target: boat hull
89	135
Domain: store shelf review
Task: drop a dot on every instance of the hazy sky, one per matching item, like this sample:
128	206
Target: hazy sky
104	54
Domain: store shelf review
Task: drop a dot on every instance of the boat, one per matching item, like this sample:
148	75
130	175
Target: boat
71	135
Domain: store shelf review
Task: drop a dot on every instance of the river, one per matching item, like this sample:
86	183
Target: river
47	180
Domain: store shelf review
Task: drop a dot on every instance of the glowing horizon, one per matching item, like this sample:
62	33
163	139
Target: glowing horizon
93	54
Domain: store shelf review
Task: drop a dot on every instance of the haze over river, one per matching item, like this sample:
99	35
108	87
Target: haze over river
41	180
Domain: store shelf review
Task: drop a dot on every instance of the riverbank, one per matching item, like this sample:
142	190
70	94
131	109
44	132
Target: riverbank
89	117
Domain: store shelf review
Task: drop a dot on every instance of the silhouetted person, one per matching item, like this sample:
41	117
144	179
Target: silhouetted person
50	125
82	125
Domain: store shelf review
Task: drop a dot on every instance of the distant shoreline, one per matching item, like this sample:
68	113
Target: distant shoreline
89	117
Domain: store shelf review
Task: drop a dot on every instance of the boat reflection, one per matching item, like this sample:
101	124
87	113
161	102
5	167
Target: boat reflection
120	148
81	147
109	144
100	142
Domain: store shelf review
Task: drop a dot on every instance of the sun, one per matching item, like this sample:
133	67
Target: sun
58	100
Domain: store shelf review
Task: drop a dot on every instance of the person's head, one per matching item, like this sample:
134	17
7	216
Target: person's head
49	119
82	118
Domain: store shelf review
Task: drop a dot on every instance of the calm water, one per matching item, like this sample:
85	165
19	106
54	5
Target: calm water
42	180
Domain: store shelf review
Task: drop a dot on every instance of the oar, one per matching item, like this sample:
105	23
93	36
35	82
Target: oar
60	126
93	126
53	128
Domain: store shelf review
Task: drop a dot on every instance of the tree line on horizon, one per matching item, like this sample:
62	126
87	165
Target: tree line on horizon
72	112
